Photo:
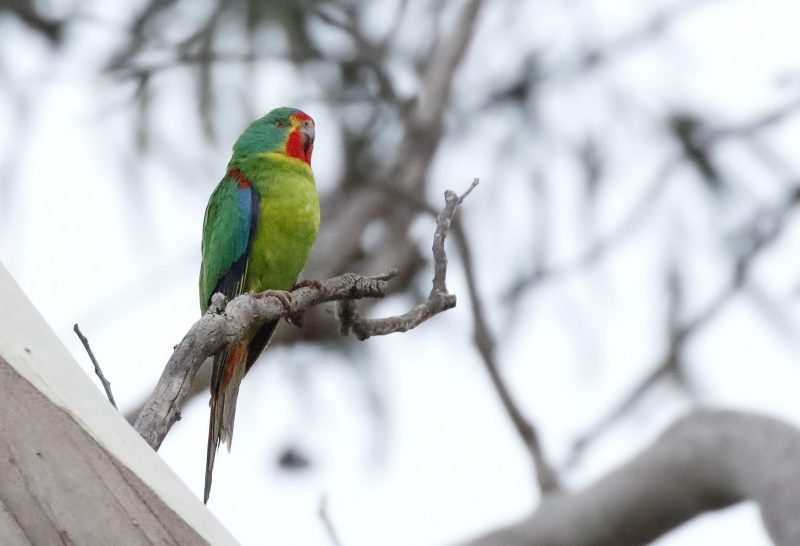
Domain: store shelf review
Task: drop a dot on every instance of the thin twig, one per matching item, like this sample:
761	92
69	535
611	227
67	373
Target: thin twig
326	521
485	344
351	321
97	370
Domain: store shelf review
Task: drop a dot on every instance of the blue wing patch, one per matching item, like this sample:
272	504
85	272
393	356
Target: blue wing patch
229	227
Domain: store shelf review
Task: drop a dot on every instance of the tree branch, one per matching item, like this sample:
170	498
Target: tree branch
350	320
706	461
97	370
330	529
546	476
225	324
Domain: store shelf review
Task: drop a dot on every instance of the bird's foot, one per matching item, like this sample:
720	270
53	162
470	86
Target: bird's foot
307	283
281	295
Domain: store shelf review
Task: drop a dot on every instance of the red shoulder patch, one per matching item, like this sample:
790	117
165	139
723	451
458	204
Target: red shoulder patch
236	173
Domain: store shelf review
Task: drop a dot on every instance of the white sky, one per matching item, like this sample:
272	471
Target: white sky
95	235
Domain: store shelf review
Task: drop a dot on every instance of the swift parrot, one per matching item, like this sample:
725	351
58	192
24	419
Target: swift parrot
260	224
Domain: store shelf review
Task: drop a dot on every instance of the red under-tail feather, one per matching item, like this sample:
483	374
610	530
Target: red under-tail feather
229	369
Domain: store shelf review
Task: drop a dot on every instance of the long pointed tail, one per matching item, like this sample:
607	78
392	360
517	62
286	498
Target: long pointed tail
229	369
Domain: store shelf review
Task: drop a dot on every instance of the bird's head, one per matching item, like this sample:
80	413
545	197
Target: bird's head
284	130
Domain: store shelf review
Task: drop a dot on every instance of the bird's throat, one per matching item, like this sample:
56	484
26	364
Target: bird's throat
298	147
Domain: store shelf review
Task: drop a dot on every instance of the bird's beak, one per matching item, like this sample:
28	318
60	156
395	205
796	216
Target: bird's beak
307	132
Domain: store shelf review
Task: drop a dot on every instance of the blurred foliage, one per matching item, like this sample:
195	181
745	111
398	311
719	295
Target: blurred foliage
391	89
38	17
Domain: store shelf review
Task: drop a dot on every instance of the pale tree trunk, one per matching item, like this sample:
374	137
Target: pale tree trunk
706	461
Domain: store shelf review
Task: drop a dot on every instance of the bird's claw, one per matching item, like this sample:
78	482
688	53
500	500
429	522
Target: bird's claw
306	283
282	295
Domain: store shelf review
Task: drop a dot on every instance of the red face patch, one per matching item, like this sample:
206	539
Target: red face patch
298	145
294	146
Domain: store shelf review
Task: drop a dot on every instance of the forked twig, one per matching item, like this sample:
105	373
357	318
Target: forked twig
97	370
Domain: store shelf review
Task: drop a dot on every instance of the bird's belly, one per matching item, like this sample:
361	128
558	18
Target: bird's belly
284	237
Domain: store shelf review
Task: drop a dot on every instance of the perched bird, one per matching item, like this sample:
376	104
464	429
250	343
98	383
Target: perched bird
259	227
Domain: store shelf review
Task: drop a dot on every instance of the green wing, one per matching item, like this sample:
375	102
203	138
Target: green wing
230	222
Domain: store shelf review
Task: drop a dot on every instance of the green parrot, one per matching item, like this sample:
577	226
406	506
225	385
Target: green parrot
259	227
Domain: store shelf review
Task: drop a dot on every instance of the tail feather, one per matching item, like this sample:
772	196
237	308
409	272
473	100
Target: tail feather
229	396
230	366
229	369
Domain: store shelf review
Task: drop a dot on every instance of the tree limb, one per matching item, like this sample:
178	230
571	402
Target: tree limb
439	299
706	461
484	342
225	324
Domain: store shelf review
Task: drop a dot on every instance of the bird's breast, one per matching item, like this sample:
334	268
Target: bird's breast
286	231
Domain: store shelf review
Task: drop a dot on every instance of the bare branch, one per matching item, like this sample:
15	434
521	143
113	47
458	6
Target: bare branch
706	461
333	536
97	370
485	344
350	320
224	324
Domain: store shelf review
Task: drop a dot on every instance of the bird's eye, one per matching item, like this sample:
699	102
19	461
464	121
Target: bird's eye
281	123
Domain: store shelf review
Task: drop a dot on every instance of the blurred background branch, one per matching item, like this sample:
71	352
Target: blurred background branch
709	458
636	226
